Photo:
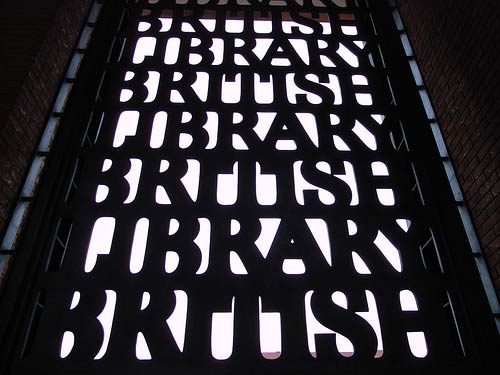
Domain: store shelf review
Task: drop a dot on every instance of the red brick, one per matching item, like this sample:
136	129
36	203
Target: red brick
455	43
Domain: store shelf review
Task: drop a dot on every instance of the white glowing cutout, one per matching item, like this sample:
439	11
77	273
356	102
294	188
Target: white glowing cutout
360	43
235	227
236	264
202	240
349	57
227	187
358	79
138	250
132	178
378	118
142	352
407	301
177	320
186	117
323	166
172	51
263	26
386	197
417	343
350	179
404	224
300	184
187	28
100	241
344	345
195	58
106	319
333	85
352	228
300	46
349	30
339	144
161	196
126	127
334	119
231	91
209	24
166	24
222	333
293	266
101	193
75	300
200	86
364	99
143	26
379	169
288	26
313	326
390	252
171	261
261	47
263	91
269	333
234	26
173	227
238	142
265	186
325	60
237	118
365	135
126	95
319	230
293	90
152	86
327	28
372	317
146	298
106	165
145	47
269	228
129	75
286	144
185	140
212	128
192	178
217	49
308	122
239	59
360	265
264	122
68	340
158	130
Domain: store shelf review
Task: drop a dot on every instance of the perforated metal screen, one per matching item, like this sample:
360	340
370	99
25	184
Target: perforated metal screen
246	199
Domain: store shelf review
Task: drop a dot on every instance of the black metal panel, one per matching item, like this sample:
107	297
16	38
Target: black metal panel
246	194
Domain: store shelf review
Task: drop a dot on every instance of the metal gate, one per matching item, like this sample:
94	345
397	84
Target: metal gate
245	186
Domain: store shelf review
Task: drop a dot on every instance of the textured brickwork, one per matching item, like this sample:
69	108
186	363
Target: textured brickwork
456	43
36	40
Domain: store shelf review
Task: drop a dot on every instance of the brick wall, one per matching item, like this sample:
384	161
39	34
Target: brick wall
457	45
36	40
